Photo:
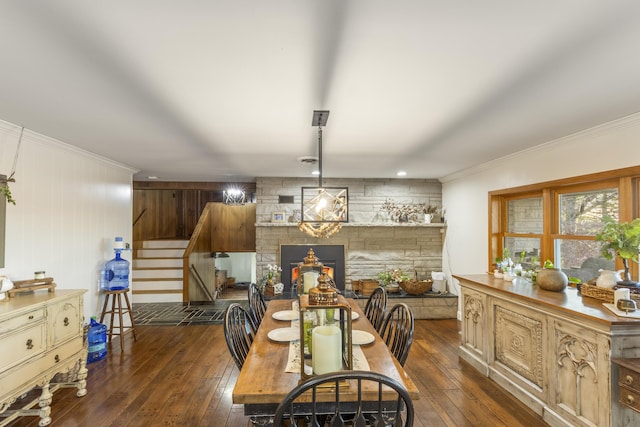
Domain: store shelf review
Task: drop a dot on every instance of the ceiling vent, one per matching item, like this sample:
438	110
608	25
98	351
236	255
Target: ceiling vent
308	160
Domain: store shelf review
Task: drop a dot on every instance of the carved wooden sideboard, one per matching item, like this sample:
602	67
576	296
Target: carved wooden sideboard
41	335
552	350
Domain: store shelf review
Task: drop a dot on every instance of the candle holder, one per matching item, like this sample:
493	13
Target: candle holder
308	272
325	336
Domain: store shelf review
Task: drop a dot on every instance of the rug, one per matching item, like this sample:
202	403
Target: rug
179	314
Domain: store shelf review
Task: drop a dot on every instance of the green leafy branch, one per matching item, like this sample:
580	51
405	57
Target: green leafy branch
6	191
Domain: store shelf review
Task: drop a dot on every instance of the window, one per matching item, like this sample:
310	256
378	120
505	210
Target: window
558	221
524	229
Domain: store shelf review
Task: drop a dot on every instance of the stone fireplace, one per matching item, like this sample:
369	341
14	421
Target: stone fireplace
332	256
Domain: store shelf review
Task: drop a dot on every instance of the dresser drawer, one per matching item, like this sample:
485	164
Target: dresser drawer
21	320
629	398
629	379
24	344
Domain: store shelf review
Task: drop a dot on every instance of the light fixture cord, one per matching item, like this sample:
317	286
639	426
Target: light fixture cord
320	156
15	159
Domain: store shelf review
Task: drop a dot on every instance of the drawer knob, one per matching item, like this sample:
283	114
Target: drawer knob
628	379
31	317
66	321
629	399
57	359
29	344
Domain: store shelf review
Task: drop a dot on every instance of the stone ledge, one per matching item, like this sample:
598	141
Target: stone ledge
444	306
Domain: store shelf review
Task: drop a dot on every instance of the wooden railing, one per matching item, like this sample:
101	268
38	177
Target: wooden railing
198	254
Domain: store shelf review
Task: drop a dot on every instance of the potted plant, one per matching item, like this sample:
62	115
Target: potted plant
620	239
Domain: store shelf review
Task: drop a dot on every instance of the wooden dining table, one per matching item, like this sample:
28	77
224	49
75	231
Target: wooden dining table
263	381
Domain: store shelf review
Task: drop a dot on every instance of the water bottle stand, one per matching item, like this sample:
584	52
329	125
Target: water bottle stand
120	311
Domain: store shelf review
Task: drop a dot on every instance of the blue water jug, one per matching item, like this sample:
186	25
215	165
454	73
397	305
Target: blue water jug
97	338
116	274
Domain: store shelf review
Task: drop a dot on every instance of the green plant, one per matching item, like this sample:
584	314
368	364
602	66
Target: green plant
5	191
523	254
397	275
620	239
548	264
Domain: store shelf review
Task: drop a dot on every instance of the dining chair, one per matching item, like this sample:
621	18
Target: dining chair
397	331
376	307
239	331
317	412
257	305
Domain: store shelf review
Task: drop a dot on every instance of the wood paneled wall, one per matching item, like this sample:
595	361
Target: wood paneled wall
170	210
233	227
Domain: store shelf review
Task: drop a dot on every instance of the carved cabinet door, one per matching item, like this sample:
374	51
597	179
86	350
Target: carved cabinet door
579	374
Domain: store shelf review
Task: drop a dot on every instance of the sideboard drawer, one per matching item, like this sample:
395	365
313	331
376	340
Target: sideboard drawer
24	344
42	366
629	398
21	320
629	379
629	382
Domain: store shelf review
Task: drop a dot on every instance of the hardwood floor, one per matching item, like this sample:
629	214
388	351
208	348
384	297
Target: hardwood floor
184	376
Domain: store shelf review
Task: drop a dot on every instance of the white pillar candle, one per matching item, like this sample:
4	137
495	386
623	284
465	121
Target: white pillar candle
327	349
623	293
310	280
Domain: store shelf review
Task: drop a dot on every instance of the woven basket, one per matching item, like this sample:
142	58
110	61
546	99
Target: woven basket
416	287
602	294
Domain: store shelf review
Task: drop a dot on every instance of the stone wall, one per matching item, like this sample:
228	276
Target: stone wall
372	243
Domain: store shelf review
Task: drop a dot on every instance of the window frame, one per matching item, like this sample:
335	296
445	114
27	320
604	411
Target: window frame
626	180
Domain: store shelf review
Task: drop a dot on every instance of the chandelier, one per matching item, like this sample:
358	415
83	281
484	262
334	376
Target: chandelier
233	196
324	209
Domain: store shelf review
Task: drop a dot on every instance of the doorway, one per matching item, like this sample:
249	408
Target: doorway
238	269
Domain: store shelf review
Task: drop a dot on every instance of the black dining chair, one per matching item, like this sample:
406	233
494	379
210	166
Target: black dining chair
239	331
397	331
257	305
376	307
317	412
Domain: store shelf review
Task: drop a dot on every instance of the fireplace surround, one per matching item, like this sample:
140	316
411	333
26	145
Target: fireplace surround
329	255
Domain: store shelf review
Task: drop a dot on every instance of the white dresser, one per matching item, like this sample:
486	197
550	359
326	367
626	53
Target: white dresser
41	335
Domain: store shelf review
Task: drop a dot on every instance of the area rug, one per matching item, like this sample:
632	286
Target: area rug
179	314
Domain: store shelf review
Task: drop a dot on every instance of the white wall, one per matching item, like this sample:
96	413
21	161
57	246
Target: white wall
70	205
614	145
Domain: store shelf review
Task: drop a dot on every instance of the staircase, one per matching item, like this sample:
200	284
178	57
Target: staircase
156	274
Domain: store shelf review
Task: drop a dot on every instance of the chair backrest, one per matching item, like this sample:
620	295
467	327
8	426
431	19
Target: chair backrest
239	331
384	409
376	307
397	331
257	305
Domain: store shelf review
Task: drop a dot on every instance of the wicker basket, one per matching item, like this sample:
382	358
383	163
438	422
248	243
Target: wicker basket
602	294
416	287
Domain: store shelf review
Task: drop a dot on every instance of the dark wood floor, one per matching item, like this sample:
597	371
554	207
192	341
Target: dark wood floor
184	376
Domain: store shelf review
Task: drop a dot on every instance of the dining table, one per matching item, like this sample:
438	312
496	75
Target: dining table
265	378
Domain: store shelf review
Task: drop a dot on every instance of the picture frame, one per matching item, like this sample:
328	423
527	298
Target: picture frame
278	217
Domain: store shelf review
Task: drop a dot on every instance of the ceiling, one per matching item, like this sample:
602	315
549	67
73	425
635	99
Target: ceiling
225	90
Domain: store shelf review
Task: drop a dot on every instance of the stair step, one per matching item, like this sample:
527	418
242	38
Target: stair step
150	244
157	263
157	285
160	253
140	298
175	273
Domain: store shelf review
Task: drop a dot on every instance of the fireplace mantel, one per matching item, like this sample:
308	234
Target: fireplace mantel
352	224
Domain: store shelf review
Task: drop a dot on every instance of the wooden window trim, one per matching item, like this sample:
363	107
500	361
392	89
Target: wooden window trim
626	180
